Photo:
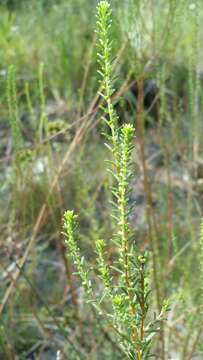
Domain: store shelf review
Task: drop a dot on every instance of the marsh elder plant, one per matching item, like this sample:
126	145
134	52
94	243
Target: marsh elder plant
124	302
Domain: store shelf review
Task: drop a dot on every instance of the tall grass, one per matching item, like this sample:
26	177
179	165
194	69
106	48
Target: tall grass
55	161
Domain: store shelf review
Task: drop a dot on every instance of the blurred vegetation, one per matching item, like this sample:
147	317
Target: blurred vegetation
52	158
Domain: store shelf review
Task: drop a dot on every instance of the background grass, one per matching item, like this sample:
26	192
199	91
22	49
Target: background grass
61	165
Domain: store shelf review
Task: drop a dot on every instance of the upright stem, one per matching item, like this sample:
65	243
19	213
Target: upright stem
142	303
151	222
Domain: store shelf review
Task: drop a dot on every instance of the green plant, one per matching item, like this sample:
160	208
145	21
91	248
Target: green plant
124	301
13	109
159	42
201	263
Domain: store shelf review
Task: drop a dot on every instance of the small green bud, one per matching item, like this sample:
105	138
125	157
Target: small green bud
142	259
118	300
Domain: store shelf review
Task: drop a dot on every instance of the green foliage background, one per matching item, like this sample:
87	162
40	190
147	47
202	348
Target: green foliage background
49	47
